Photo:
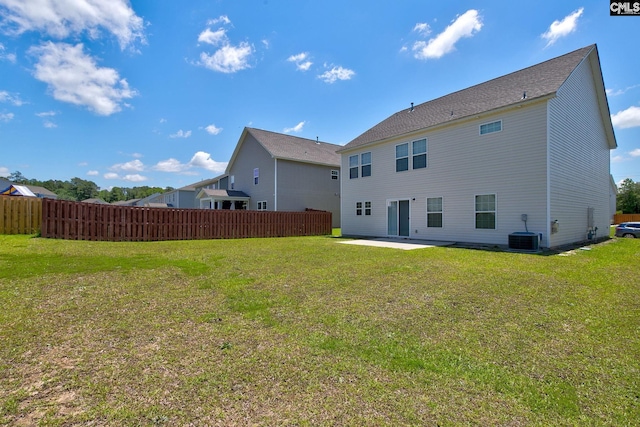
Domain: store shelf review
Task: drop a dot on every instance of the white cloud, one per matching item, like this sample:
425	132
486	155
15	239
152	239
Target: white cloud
199	160
296	128
93	173
49	124
635	153
611	92
212	129
562	28
63	18
46	114
628	118
181	134
228	59
137	155
4	171
134	178
132	166
465	25
617	159
222	18
74	77
12	99
336	73
111	175
215	38
163	120
422	28
301	60
6	117
11	57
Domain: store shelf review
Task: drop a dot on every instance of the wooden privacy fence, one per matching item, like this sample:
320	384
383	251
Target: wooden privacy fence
85	221
619	218
20	215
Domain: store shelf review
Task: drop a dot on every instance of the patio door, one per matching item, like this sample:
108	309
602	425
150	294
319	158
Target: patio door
398	218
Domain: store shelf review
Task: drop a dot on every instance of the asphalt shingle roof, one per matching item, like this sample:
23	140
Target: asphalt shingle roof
290	147
536	81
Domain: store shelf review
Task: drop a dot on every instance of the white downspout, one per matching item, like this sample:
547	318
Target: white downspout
275	184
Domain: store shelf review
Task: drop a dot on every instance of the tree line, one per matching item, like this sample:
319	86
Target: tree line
80	189
628	200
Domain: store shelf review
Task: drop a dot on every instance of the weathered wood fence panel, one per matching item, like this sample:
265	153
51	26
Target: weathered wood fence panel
84	221
619	218
20	215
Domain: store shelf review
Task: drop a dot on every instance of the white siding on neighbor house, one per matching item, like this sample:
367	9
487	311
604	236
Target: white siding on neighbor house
579	176
250	156
461	164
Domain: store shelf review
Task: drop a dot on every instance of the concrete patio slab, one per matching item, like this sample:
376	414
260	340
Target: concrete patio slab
404	244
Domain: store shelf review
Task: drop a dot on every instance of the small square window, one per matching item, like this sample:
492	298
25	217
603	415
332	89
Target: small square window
335	174
367	208
491	127
262	206
358	208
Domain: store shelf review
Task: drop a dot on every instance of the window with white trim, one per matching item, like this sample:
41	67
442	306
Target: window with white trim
256	175
367	208
335	174
419	151
353	166
358	208
365	164
491	127
262	206
434	212
486	211
402	157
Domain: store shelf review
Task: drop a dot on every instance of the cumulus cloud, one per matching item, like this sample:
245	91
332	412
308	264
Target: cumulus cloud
422	28
129	177
63	18
611	92
93	173
628	118
212	129
11	57
132	166
46	114
465	25
73	76
199	160
562	28
336	73
49	124
11	98
110	175
296	128
4	171
6	117
635	153
181	134
301	60
229	58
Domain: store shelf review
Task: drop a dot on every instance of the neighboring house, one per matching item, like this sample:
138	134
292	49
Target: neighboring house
36	190
183	198
17	190
528	151
130	202
276	172
95	201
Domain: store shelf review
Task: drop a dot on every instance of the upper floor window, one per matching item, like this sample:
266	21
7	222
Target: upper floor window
353	166
402	157
232	182
419	148
256	175
365	162
335	174
491	127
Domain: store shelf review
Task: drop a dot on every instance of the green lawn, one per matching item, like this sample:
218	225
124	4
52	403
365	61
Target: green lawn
309	332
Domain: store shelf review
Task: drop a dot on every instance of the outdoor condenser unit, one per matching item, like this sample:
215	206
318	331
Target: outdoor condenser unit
524	241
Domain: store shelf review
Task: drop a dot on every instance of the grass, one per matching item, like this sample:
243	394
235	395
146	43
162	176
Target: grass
308	332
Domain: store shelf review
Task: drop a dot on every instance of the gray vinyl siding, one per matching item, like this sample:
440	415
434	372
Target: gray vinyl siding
304	185
579	175
461	164
253	155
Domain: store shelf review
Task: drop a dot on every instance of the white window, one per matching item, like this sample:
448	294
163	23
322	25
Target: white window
262	206
402	157
486	211
367	208
353	167
419	149
365	162
358	208
232	182
491	127
256	175
335	174
434	212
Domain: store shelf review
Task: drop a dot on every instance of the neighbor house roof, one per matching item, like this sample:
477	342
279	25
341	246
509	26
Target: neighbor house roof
524	86
42	192
222	194
288	147
95	201
17	190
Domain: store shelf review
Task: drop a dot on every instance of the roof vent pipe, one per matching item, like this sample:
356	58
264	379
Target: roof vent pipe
524	95
317	142
410	110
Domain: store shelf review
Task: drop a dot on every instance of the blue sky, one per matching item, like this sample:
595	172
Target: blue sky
157	93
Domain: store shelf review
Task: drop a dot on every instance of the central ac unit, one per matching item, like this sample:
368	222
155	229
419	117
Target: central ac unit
524	241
